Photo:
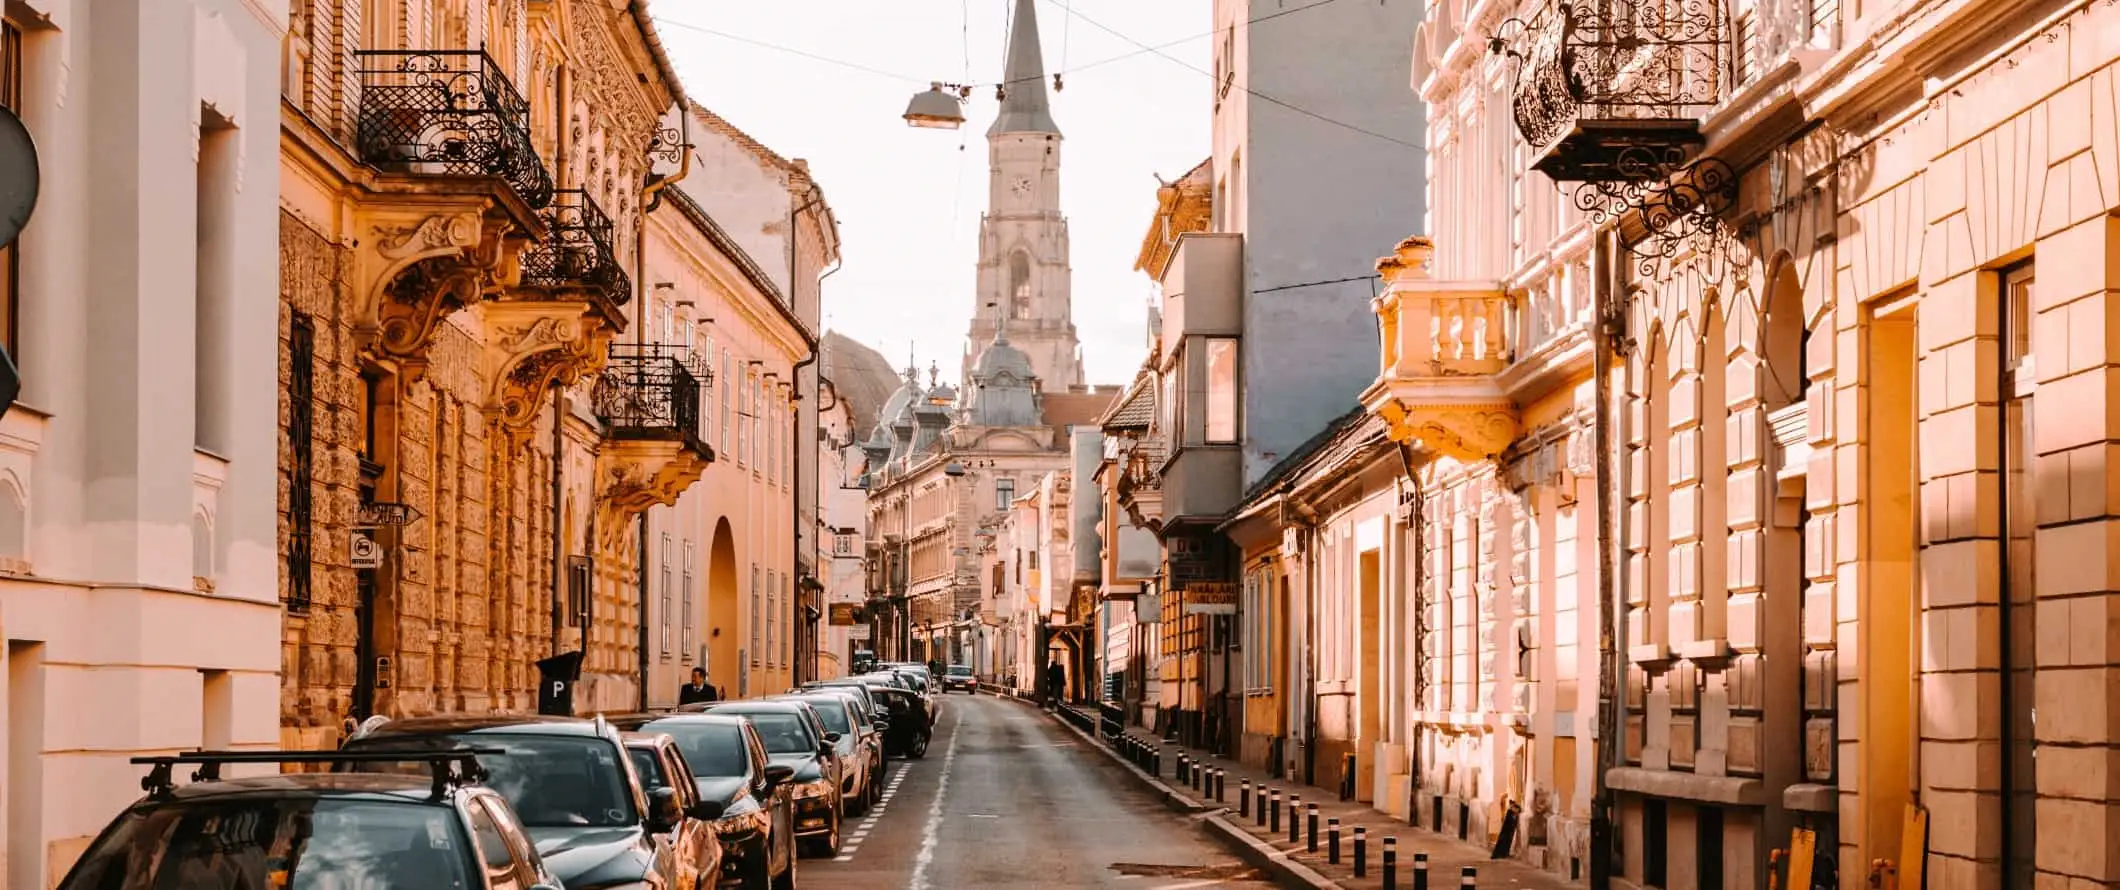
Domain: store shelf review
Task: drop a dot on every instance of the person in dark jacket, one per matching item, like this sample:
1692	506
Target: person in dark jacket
1055	683
699	690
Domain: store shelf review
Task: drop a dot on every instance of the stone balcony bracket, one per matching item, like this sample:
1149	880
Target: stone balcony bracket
635	474
417	261
1444	347
532	348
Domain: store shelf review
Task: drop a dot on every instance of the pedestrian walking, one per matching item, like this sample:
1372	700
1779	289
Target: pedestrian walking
1055	683
699	690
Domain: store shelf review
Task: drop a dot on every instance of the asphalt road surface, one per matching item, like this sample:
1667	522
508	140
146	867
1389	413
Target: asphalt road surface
1006	798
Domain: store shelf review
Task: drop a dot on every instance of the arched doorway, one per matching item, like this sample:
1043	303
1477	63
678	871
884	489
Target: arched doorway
722	653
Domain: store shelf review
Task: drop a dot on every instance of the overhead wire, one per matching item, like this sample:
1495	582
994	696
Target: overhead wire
1140	50
1249	91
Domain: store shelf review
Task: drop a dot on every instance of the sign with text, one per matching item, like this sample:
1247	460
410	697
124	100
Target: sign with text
363	552
1210	598
1196	557
845	614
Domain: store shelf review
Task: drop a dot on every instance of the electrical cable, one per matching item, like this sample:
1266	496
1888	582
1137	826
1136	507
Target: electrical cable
1144	49
1249	91
1268	290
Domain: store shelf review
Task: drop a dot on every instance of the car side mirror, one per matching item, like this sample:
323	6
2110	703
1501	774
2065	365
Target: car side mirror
664	811
778	774
709	810
832	737
883	723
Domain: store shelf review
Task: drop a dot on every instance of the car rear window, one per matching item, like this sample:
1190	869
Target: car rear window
959	670
832	714
299	844
552	781
783	733
710	749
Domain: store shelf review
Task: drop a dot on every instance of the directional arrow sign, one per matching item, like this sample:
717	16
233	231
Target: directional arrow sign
386	513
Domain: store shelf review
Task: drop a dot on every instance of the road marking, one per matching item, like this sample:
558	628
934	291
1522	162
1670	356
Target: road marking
983	815
843	858
931	836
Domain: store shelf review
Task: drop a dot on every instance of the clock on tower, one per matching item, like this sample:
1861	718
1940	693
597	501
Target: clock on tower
1021	185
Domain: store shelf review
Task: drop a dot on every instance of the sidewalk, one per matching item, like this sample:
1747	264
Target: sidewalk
1299	867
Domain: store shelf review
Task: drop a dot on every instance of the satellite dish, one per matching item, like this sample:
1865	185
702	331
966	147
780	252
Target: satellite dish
18	176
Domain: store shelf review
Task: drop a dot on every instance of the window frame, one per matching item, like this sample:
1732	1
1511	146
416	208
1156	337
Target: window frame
1224	402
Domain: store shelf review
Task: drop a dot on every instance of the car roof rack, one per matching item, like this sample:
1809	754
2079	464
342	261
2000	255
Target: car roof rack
451	766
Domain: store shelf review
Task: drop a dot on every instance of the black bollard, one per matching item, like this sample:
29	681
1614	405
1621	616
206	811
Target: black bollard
1221	785
1420	871
1361	852
1332	841
1155	762
1244	798
1258	816
1295	818
1276	826
1178	770
1469	877
1310	818
1391	863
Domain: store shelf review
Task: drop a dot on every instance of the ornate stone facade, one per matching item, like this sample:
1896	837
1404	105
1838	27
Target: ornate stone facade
458	481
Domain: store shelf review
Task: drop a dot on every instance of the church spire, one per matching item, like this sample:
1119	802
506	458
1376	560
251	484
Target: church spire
1023	105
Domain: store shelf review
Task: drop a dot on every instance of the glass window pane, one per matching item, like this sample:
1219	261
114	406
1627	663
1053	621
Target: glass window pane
1221	391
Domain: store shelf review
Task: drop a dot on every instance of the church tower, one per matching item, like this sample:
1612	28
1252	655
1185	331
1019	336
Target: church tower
1023	248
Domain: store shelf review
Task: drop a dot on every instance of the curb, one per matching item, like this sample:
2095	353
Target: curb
1284	871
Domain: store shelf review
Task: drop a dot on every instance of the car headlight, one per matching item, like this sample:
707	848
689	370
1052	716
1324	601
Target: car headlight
819	788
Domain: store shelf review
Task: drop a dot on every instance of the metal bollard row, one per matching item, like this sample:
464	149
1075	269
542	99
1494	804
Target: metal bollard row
1244	798
1310	818
1361	852
1332	840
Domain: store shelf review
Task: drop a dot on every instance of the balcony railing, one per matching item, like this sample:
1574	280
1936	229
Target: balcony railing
447	113
646	392
578	252
1615	89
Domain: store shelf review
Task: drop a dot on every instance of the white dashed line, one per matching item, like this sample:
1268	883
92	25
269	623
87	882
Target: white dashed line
931	836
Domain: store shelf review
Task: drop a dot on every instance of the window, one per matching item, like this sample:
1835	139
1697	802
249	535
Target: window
758	609
2020	520
665	596
301	408
1221	419
728	385
772	612
1004	493
708	391
1255	631
684	620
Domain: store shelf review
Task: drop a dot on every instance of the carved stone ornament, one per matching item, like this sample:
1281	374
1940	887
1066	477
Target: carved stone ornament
1465	432
420	268
635	474
533	348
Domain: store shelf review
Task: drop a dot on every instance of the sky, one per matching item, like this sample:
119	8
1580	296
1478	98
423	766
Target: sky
827	81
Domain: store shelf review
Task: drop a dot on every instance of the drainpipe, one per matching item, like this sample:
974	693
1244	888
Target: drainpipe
1610	319
642	574
563	149
1416	523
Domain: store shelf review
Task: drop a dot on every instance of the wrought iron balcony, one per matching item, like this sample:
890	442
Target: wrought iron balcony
447	113
647	392
578	252
1614	90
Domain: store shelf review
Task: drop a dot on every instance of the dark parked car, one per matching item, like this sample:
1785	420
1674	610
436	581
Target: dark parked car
860	746
439	831
794	737
959	676
733	773
910	729
674	801
569	780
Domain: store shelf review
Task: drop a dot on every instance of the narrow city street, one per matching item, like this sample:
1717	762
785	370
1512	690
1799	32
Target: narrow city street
1006	798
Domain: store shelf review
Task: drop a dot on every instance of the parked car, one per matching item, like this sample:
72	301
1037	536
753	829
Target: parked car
860	747
732	772
794	737
438	831
959	676
675	803
909	730
569	780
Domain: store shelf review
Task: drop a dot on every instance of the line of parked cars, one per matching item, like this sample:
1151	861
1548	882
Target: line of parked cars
708	795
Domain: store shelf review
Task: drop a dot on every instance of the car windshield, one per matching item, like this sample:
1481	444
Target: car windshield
552	781
712	750
298	844
833	714
960	670
783	733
